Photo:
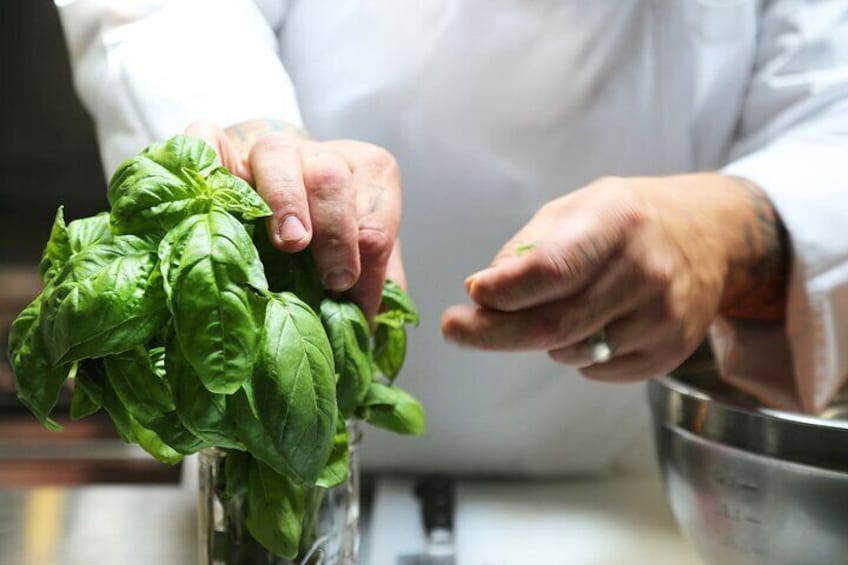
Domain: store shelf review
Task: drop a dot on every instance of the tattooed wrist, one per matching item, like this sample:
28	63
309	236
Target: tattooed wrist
758	275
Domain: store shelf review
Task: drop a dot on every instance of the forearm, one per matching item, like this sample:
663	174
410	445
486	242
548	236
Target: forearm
758	267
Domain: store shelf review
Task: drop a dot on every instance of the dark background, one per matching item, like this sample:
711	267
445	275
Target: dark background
48	149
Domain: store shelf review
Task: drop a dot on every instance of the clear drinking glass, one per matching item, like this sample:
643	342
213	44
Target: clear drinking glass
224	539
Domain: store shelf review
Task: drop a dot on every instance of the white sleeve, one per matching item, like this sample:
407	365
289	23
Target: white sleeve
793	143
145	69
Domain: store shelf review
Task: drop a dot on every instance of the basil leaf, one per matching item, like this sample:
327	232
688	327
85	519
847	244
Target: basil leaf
275	507
202	412
145	395
294	386
108	298
86	232
147	399
183	152
154	191
37	381
82	405
292	272
396	299
389	349
350	339
58	249
92	378
236	196
393	409
236	471
212	272
147	198
153	444
335	471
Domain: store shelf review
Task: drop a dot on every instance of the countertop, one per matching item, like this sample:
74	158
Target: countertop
610	521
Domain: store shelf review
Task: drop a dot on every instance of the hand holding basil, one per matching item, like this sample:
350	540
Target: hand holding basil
173	314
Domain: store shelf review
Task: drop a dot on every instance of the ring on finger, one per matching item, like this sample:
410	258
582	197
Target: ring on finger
600	350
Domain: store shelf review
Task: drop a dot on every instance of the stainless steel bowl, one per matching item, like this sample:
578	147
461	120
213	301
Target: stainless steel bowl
749	485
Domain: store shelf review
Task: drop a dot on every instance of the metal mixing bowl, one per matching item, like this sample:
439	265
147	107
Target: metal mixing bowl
750	485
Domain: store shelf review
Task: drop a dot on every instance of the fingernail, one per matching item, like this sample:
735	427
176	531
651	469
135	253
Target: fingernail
292	229
339	280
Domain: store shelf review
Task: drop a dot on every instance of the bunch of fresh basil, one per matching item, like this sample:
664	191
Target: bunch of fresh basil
174	314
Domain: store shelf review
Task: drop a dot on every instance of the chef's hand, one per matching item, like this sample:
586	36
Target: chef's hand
651	260
342	198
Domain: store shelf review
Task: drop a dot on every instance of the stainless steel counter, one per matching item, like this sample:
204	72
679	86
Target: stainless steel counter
103	525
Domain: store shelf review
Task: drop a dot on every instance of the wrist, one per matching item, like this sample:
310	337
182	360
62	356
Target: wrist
758	256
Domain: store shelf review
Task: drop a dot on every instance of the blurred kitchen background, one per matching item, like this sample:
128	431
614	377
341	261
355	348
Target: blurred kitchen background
48	157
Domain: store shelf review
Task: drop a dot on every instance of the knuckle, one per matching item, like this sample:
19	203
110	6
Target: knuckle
554	266
326	179
380	158
274	143
375	242
656	273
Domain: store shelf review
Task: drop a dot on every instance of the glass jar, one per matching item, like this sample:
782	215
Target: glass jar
331	519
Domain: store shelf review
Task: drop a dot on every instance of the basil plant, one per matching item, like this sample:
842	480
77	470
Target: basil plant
173	313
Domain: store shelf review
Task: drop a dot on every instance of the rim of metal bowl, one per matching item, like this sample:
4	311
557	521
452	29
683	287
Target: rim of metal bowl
736	422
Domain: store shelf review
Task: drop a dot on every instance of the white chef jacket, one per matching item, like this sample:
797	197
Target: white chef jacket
493	107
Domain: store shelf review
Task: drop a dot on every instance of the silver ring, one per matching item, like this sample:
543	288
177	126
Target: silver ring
599	348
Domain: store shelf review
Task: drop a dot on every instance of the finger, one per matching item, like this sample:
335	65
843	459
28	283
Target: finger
376	183
555	325
625	369
550	270
276	168
368	291
332	208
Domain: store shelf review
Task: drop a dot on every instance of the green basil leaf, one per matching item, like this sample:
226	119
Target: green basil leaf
393	409
212	273
145	395
86	232
236	196
251	432
204	413
153	444
389	349
108	298
37	381
183	152
147	198
294	386
236	471
335	471
82	405
58	249
396	299
154	191
147	399
275	506
93	380
292	272
350	339
91	376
